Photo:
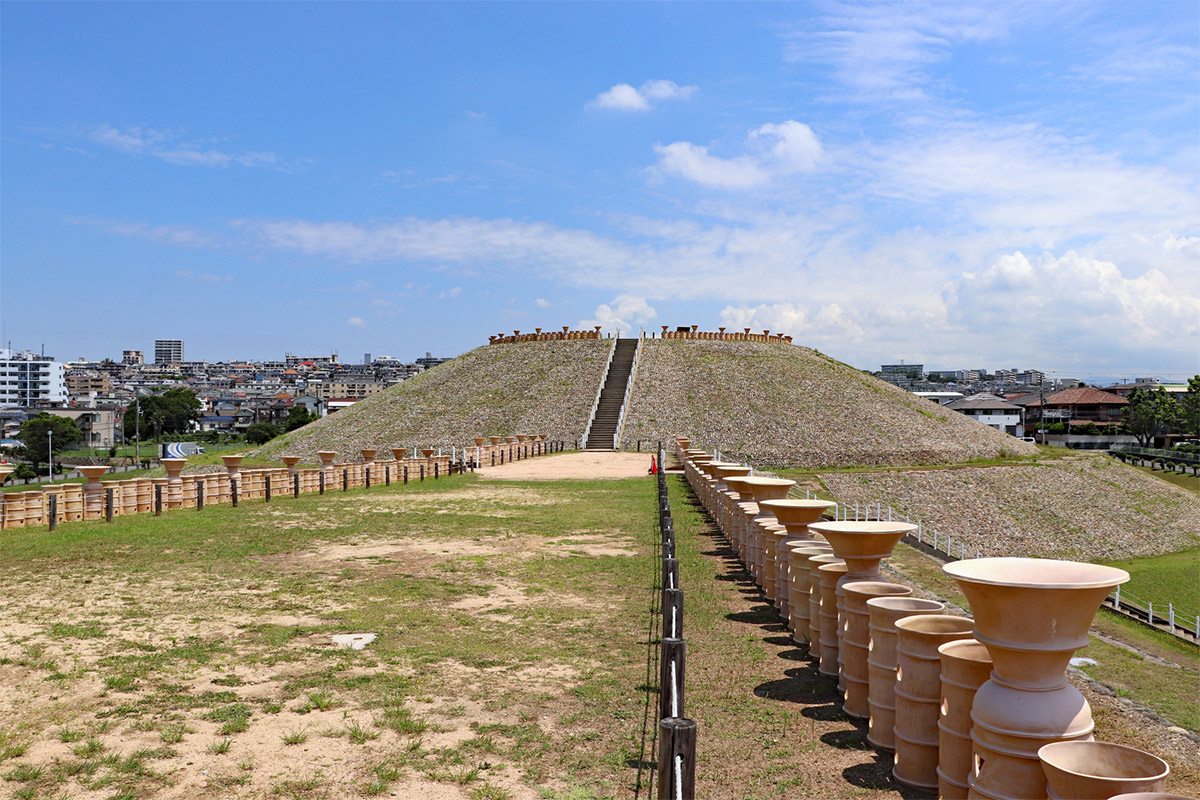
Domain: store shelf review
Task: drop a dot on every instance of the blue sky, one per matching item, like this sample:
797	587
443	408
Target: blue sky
991	185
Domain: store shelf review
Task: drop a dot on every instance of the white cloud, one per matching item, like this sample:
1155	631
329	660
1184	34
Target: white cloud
542	303
203	277
170	234
451	293
169	146
625	314
886	51
357	322
831	323
623	97
776	150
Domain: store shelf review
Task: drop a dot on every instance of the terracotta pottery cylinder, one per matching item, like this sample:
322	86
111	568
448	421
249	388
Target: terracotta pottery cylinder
966	665
731	529
521	437
509	439
763	489
1085	770
862	544
14	510
801	582
856	640
828	577
746	510
881	662
1032	614
795	516
290	462
129	500
188	492
145	495
919	694
93	490
1150	796
722	502
35	508
174	495
684	443
814	601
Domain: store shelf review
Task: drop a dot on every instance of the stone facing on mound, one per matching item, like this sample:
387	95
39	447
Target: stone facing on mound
1090	507
495	390
781	405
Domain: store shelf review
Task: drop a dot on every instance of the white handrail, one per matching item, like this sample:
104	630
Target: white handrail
599	391
628	387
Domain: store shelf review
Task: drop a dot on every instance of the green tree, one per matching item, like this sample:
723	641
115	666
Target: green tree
1149	414
261	432
298	417
1189	408
35	436
173	411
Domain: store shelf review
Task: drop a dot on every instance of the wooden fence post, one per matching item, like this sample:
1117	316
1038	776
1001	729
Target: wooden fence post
671	680
53	512
199	495
267	494
158	501
296	485
234	492
677	759
108	505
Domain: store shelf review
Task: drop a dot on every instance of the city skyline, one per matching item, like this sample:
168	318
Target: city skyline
960	184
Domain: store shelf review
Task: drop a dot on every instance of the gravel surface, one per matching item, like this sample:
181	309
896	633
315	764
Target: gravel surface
781	405
1086	507
495	390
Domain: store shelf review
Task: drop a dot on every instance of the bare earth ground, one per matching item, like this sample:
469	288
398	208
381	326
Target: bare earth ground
191	657
583	465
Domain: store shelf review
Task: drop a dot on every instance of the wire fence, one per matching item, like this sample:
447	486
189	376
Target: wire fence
676	764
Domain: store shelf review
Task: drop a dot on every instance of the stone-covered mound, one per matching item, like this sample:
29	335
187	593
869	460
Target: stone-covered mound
496	390
1086	507
781	405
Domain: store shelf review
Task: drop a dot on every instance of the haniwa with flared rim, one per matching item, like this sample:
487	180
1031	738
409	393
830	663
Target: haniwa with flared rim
1032	614
1084	770
856	639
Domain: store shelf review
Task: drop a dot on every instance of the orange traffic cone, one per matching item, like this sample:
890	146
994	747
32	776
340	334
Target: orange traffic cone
653	466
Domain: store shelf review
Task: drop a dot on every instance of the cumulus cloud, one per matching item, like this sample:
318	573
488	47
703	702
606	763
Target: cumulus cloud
775	150
624	314
203	277
624	97
830	322
542	302
356	322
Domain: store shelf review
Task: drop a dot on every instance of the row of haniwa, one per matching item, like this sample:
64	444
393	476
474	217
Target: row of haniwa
971	708
89	501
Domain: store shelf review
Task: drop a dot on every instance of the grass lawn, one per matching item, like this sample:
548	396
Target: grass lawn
191	656
1173	578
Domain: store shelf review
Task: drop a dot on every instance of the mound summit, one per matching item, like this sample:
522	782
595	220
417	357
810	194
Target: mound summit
774	403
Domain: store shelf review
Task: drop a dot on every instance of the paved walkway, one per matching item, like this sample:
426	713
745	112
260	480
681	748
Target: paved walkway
566	466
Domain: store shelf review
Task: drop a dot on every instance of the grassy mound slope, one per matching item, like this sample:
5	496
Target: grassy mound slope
497	390
781	405
1086	507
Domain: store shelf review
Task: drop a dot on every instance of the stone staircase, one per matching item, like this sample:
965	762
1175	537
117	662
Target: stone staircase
608	411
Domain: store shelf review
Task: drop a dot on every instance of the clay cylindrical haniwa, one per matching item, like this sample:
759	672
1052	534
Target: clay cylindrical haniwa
862	544
856	639
1032	614
881	662
35	507
724	471
814	601
764	489
795	516
1150	796
1086	770
93	490
145	495
741	508
919	694
290	462
129	490
495	440
800	600
828	577
966	665
683	442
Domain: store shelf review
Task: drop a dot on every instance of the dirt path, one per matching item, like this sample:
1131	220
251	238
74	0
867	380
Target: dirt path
568	466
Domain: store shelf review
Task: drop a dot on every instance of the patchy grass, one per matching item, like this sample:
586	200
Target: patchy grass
1171	578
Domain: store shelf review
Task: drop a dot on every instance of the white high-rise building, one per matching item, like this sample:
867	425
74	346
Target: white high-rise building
28	379
168	351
